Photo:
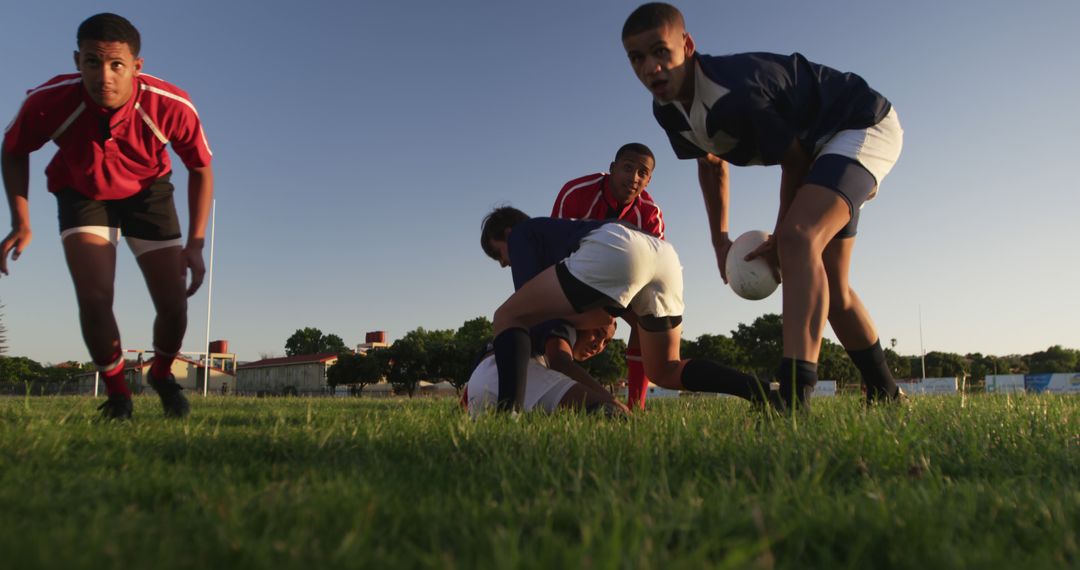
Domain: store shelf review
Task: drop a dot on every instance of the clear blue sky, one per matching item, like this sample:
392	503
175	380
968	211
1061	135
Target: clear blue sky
358	145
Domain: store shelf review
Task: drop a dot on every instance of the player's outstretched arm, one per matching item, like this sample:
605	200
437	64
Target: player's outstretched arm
560	358
713	178
16	173
200	196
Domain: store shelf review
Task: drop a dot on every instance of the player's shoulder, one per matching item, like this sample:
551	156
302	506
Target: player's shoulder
57	88
647	202
581	182
163	92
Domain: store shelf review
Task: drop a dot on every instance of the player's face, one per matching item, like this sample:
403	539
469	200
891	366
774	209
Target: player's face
660	59
591	342
501	250
108	71
630	174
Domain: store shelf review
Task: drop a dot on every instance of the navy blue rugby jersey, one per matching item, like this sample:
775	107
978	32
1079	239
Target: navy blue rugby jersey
748	107
538	243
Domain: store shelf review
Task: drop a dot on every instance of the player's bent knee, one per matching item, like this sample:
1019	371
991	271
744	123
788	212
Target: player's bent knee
664	374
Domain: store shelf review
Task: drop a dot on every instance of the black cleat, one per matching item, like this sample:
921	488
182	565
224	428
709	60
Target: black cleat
116	407
175	404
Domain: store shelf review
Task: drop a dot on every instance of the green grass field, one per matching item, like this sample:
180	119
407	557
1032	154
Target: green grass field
978	482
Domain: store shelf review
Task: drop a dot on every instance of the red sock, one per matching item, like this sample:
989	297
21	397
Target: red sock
161	367
638	384
112	374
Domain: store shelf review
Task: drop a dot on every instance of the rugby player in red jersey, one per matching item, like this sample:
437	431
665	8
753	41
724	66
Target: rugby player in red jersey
619	195
111	124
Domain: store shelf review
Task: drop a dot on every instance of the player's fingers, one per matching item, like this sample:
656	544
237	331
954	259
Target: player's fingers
758	251
195	284
6	247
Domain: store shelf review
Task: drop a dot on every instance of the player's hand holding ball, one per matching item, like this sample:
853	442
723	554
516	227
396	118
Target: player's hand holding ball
753	268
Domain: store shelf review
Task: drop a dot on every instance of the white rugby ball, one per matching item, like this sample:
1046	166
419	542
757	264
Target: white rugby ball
753	279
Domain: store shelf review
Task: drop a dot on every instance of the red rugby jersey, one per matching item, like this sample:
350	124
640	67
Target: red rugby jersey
108	156
587	198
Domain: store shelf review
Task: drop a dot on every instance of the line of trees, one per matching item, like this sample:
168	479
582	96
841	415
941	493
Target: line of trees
755	348
438	355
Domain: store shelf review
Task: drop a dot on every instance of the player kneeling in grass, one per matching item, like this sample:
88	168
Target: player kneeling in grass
555	379
583	271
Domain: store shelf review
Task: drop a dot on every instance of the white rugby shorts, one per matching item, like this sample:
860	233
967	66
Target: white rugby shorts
876	148
634	269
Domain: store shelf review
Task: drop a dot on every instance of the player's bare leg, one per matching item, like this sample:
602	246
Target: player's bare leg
815	216
853	326
165	272
91	261
663	364
848	316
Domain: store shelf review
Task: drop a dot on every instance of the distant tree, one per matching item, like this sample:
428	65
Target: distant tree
411	359
899	365
311	340
835	364
17	369
945	365
65	371
718	348
1053	359
609	366
357	370
762	342
469	342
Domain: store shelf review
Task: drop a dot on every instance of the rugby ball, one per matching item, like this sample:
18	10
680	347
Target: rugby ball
753	279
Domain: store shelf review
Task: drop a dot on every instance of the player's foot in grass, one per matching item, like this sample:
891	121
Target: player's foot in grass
768	401
116	407
889	400
174	403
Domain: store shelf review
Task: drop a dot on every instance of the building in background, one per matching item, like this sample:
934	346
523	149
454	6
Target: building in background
302	375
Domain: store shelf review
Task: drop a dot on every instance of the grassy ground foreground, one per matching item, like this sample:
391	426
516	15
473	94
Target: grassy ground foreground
947	482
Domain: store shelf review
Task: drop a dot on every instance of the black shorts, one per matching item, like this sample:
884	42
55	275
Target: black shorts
851	180
149	215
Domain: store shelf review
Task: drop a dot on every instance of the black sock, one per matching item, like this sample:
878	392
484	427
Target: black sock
797	379
512	349
700	375
876	376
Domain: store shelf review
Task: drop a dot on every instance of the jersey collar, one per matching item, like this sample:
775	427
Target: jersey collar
118	116
605	191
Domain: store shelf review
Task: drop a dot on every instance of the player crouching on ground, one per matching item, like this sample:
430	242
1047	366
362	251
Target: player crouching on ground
555	379
582	271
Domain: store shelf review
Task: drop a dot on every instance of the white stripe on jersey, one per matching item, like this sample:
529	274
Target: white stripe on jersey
562	203
659	214
39	89
176	97
150	123
71	119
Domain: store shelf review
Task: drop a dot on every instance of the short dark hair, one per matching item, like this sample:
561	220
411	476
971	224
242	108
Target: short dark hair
108	27
496	224
650	17
634	148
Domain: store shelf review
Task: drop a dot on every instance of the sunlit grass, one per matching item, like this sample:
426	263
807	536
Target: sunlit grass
984	481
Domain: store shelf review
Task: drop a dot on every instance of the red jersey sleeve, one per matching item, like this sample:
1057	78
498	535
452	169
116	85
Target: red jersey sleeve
27	132
171	108
187	137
